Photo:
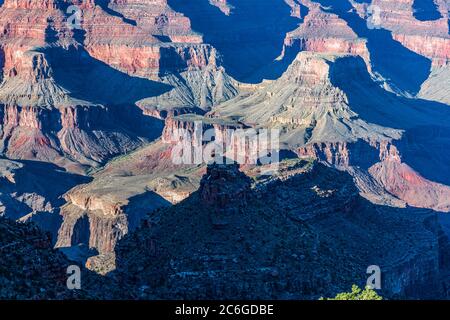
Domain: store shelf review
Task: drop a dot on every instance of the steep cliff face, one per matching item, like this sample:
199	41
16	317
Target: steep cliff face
228	251
322	31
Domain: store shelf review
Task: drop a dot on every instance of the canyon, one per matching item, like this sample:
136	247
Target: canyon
94	94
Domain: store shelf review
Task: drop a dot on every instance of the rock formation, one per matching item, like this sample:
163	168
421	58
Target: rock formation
96	94
304	234
324	116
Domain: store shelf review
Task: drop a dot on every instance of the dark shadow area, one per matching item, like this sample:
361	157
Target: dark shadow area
399	66
2	65
427	150
51	35
162	38
47	179
249	39
40	179
425	145
104	4
47	221
81	231
140	206
426	10
131	118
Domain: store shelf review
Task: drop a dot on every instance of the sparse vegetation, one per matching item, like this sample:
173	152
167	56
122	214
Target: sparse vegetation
357	294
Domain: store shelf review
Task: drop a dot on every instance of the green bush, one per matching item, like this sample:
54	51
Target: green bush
357	294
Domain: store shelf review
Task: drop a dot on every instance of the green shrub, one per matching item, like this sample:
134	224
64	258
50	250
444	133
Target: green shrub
357	294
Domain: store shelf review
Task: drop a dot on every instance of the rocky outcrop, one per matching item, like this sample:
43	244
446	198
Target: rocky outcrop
306	101
42	120
107	218
192	129
222	184
387	169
